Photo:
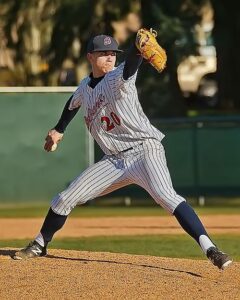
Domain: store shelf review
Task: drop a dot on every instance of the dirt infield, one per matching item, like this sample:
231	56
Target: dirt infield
91	275
77	227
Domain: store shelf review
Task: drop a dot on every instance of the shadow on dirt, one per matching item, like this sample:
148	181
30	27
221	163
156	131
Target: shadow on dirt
120	263
7	252
10	253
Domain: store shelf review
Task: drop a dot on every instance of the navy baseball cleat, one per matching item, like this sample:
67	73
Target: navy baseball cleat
33	250
218	258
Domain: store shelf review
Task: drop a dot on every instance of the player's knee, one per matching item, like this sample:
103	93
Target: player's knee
169	201
62	205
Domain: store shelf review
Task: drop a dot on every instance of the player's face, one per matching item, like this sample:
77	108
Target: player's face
102	62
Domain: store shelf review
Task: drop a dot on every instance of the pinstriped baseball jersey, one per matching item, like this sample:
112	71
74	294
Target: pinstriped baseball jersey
113	113
115	118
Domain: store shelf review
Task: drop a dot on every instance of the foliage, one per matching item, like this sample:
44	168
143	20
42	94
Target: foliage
45	37
174	21
68	30
226	35
28	27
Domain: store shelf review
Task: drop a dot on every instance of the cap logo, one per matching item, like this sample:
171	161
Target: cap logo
107	41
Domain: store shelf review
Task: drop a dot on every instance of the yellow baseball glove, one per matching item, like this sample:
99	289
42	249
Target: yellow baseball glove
150	49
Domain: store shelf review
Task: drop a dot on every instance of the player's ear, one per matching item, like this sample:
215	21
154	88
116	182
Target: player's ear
89	57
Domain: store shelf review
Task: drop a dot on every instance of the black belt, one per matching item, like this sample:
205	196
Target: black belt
125	150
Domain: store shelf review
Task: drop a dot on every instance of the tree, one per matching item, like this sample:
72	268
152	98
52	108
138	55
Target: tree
27	27
174	20
226	34
40	36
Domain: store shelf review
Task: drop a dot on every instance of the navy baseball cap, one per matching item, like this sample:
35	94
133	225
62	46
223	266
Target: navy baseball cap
103	43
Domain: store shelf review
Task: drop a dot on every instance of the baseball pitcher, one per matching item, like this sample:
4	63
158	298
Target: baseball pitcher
133	150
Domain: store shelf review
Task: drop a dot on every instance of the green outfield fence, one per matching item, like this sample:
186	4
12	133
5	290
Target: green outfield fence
203	154
28	173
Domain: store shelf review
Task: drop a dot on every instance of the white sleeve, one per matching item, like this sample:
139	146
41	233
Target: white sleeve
76	99
116	78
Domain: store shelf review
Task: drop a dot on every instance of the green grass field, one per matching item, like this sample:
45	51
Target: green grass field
40	210
180	246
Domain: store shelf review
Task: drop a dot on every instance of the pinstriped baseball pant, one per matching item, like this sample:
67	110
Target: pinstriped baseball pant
145	165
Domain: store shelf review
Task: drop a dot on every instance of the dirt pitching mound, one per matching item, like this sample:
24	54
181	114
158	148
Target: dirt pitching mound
91	275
